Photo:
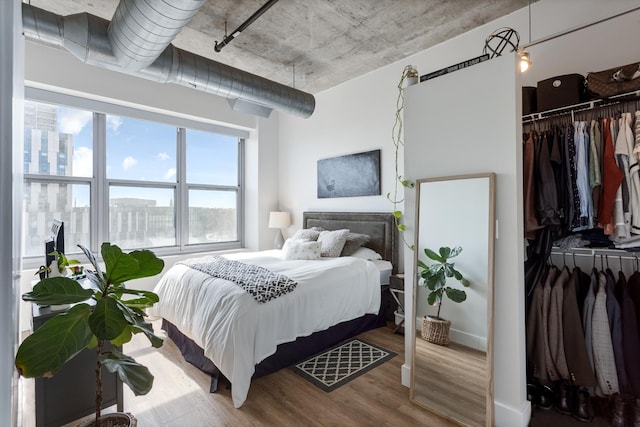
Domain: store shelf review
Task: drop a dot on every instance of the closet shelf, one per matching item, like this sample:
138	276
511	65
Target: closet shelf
583	106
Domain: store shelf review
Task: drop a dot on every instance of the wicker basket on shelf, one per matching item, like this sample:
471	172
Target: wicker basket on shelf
435	331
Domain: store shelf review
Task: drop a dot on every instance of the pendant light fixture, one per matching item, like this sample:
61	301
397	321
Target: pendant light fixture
525	60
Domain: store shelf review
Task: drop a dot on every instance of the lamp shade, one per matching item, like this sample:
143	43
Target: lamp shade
279	219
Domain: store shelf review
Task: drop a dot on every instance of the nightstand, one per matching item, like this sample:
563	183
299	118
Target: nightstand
70	394
396	287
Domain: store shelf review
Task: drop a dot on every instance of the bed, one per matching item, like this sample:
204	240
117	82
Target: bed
221	329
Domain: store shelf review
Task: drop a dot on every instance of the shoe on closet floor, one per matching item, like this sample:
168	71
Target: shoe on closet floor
619	412
584	409
546	397
563	402
540	396
636	413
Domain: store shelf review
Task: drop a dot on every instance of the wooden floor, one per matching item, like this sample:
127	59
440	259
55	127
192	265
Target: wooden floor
180	395
451	380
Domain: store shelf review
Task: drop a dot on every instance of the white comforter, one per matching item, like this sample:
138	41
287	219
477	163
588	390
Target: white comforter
236	332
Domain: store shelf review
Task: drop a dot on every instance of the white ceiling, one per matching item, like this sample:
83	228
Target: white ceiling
324	42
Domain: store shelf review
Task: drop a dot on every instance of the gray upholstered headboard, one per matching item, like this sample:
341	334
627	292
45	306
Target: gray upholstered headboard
380	226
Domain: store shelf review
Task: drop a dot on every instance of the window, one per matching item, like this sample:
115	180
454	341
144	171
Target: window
159	183
212	179
142	217
141	152
52	190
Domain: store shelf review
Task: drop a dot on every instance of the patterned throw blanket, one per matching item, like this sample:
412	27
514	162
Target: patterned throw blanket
262	284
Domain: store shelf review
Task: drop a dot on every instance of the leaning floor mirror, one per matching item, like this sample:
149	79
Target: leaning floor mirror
452	363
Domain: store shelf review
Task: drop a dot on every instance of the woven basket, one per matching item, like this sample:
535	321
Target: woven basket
435	330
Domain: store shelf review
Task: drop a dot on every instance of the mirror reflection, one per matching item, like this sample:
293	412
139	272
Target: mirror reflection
452	366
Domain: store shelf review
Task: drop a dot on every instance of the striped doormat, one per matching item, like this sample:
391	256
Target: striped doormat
340	364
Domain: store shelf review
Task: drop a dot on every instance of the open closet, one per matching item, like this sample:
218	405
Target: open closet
582	280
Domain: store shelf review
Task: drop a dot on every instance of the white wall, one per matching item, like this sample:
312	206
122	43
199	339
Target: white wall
358	116
450	132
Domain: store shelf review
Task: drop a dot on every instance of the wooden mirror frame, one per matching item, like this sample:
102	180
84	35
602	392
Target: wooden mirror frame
491	236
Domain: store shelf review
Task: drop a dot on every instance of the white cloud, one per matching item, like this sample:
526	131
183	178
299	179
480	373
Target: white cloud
163	156
73	121
114	122
129	162
82	161
170	173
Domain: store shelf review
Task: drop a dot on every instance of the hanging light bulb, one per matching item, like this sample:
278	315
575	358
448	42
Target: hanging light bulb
525	61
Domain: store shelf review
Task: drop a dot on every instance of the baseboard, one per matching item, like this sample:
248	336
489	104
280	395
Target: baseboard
405	375
463	338
507	416
469	340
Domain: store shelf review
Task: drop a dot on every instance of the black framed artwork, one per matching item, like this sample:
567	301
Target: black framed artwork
350	175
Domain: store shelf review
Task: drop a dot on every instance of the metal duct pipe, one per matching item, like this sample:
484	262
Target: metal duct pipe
141	29
188	69
85	36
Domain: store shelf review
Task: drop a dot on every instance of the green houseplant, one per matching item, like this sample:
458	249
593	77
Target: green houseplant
434	278
61	261
107	312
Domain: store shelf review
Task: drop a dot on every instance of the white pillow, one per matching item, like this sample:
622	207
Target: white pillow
333	242
290	241
366	253
301	249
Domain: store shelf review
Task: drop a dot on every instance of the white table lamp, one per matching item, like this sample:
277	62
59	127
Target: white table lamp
279	220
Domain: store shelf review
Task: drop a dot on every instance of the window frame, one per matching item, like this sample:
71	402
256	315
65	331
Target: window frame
99	183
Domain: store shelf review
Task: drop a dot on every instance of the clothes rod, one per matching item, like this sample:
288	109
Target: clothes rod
594	253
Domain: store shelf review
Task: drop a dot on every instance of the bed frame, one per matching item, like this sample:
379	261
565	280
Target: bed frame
381	227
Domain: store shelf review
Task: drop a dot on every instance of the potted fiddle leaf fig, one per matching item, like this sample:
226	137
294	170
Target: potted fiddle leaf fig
434	277
105	312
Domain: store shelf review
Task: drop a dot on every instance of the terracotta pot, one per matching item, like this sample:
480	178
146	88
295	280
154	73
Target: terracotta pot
116	419
435	330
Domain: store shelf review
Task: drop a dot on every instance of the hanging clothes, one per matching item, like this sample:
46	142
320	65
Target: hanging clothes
611	180
556	157
595	159
580	371
581	140
636	146
625	147
614	312
587	316
536	336
630	336
603	357
573	217
556	334
552	372
547	197
531	225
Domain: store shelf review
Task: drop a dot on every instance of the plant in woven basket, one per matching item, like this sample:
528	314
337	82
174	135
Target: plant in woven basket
108	312
434	277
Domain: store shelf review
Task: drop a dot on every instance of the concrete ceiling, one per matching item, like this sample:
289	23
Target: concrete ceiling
315	45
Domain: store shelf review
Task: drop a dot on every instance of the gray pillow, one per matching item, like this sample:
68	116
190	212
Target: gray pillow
332	242
354	241
307	234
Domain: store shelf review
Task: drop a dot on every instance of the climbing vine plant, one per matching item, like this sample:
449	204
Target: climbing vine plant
400	183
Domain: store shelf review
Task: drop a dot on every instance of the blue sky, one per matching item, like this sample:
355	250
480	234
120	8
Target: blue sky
141	150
